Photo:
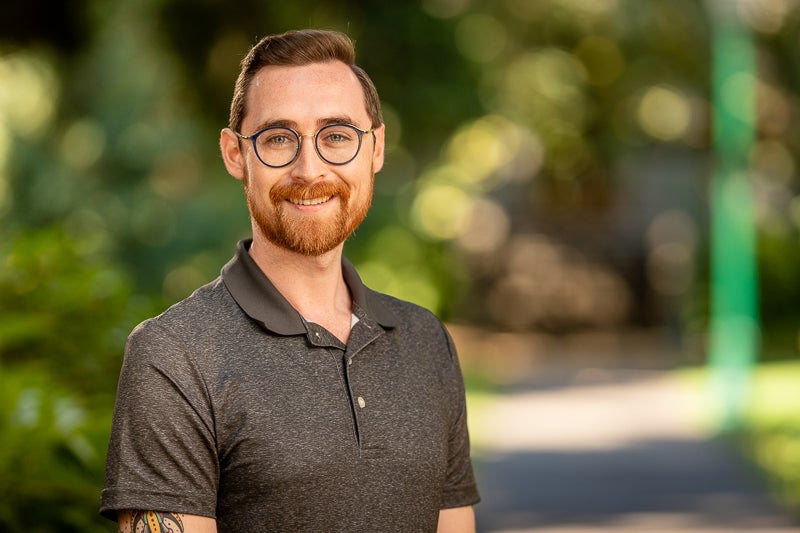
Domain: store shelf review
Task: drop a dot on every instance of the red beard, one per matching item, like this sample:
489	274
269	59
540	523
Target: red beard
313	234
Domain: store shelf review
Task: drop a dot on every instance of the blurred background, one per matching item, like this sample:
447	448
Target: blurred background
550	188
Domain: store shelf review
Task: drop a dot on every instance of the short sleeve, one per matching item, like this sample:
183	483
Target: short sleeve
460	486
162	452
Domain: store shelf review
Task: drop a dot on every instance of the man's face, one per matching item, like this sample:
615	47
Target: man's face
309	207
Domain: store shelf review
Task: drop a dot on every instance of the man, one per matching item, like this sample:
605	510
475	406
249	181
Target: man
285	395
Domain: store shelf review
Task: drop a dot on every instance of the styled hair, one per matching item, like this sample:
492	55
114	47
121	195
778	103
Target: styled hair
298	48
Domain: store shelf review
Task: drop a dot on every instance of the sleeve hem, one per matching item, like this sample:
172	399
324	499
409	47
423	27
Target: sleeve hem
460	499
114	501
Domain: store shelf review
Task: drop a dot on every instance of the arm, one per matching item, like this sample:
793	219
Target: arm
161	454
163	522
456	520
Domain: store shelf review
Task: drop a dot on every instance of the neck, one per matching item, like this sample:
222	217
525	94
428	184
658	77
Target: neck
313	285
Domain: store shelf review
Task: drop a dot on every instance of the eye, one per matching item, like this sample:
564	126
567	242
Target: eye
337	135
277	139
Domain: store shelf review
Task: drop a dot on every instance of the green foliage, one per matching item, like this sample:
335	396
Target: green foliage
65	312
779	257
65	309
52	451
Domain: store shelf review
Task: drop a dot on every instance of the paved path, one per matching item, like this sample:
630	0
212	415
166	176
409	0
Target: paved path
620	454
585	448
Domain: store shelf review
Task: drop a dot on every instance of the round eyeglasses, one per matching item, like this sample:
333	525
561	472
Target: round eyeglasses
279	146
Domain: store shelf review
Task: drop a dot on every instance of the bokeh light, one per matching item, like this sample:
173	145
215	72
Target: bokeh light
766	16
29	94
544	88
773	162
774	109
484	146
398	266
441	211
82	144
487	229
664	113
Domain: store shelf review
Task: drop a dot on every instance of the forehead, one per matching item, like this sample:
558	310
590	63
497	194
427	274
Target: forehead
305	94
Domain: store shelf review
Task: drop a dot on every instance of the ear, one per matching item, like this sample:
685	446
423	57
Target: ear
232	153
380	146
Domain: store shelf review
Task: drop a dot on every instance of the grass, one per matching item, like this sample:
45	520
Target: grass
770	433
772	428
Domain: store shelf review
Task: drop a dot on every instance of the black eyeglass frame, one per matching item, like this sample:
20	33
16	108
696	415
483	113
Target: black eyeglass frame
254	139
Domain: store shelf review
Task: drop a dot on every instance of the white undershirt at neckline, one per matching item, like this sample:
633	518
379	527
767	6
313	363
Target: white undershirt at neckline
353	320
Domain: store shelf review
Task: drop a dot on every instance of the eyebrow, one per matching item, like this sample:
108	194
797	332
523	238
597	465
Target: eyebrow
286	123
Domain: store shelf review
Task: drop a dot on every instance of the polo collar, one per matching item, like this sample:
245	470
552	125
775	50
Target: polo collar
261	301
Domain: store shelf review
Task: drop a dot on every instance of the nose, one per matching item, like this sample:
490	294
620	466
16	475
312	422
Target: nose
308	166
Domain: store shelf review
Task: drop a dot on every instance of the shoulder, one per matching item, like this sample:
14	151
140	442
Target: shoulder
407	313
202	315
186	343
415	322
206	305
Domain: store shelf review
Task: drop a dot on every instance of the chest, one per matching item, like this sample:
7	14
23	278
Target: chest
298	414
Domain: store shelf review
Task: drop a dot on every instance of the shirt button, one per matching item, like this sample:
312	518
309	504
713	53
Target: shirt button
361	402
349	362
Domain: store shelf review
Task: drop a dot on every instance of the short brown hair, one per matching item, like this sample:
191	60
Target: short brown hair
300	47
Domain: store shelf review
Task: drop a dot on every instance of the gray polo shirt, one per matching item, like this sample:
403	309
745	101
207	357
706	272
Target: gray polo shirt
231	405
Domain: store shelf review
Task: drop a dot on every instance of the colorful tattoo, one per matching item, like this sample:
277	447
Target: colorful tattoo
156	522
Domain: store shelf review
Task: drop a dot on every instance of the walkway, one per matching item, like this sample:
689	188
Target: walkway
582	443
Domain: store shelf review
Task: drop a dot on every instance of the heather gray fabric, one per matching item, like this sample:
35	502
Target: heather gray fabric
230	405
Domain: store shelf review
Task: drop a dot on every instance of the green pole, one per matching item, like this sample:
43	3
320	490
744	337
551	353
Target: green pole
734	327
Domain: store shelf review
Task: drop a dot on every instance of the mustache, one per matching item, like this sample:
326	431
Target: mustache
302	191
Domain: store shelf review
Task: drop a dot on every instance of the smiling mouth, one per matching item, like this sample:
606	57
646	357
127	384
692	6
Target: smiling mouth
310	201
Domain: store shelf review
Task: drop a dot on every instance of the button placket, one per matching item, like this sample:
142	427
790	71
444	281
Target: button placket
362	335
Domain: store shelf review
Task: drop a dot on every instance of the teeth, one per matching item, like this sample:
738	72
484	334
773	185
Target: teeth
312	201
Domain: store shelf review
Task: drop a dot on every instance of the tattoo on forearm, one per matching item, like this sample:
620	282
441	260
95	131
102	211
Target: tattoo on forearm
156	522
